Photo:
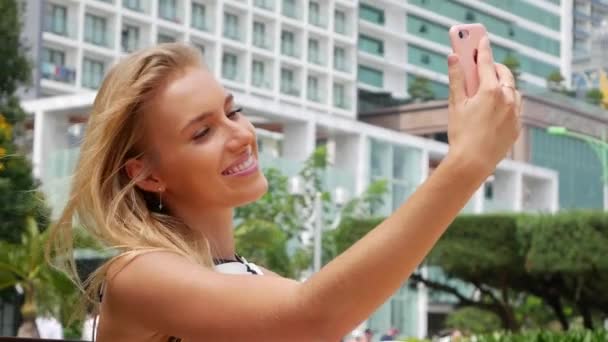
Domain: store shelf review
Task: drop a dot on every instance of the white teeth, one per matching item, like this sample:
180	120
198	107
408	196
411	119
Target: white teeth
242	166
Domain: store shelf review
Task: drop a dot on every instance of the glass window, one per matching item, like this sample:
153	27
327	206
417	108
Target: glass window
288	43
288	85
259	35
95	30
92	73
167	9
133	5
165	38
371	14
258	77
370	76
313	51
340	59
371	45
340	96
231	26
229	66
199	16
340	22
313	89
314	13
53	56
289	8
130	38
56	19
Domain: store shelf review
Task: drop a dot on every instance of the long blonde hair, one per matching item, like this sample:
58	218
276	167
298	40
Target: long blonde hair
103	199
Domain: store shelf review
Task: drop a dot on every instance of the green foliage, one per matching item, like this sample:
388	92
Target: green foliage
18	196
420	89
594	97
544	336
473	320
531	270
46	290
555	82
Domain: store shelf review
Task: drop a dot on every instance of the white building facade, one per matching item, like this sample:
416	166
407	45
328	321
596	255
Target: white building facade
295	66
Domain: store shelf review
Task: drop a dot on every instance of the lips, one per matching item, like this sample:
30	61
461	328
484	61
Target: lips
244	163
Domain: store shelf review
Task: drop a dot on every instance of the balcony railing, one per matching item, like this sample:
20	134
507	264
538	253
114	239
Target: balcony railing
58	73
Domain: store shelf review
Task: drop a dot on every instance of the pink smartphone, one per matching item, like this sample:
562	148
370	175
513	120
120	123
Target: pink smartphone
465	40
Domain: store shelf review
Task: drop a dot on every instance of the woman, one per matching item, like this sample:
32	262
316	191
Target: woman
167	157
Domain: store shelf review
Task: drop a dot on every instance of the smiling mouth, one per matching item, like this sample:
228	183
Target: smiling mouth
247	164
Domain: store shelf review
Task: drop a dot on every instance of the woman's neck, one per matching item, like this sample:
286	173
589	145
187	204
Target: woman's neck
216	227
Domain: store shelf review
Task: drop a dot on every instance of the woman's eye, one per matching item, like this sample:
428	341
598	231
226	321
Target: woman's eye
234	113
200	134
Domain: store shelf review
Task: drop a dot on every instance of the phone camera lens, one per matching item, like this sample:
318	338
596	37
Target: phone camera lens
460	34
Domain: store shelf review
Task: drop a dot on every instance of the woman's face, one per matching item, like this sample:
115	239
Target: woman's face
204	150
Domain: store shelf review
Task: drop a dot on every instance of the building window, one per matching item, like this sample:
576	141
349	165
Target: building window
371	45
340	22
371	14
340	59
92	73
289	8
288	85
199	15
425	59
56	19
53	56
313	51
288	43
313	89
314	13
129	38
265	4
259	35
231	26
95	30
167	9
371	76
258	77
165	38
340	96
133	5
229	66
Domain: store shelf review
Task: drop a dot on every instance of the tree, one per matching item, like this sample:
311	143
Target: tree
555	82
595	97
420	90
45	290
472	320
18	196
513	64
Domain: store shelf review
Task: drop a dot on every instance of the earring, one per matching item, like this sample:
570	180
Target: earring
160	201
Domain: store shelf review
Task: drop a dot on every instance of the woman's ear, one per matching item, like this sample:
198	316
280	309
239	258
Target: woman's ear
136	169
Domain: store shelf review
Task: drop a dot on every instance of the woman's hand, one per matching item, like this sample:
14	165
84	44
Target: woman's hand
482	128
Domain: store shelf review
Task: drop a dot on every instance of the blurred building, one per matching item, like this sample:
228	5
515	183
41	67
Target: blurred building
299	68
588	16
401	40
580	171
590	68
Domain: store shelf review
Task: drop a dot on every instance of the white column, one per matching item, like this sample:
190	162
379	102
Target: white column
478	203
350	154
38	143
518	191
299	139
50	131
422	307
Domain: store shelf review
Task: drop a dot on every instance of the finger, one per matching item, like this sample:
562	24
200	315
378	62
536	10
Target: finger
457	83
485	65
506	82
504	74
518	103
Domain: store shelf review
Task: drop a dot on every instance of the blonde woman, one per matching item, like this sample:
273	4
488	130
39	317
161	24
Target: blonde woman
167	157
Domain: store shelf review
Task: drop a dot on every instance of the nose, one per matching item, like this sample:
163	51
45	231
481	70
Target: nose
240	135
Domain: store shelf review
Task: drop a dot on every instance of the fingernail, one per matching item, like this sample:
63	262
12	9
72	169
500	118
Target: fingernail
452	59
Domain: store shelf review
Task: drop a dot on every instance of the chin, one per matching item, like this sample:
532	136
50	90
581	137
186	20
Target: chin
254	191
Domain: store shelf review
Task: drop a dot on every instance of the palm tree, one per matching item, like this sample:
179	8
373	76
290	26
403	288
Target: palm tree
23	267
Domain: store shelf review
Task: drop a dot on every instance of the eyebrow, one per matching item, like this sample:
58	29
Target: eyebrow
205	115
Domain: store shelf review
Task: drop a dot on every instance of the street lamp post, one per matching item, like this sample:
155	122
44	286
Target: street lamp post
599	146
296	187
